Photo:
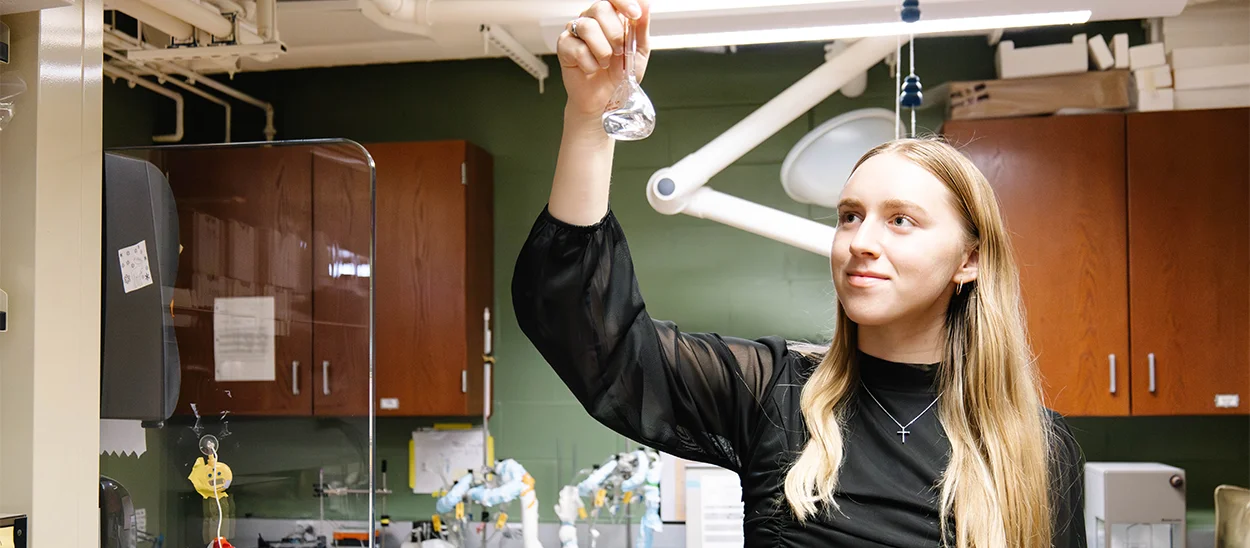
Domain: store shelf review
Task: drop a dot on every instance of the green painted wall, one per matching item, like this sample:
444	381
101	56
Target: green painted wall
702	275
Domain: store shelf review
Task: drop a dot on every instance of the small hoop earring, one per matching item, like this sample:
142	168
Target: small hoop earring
959	288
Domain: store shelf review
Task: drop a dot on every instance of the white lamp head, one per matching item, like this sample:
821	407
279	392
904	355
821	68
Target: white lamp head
817	168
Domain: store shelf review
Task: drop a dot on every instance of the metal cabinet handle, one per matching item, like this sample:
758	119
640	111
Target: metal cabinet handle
325	377
1112	357
464	381
1151	358
295	378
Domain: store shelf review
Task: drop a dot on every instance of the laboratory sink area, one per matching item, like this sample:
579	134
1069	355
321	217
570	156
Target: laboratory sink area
624	273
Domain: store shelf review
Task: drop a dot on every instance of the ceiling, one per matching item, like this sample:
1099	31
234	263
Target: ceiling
321	33
324	33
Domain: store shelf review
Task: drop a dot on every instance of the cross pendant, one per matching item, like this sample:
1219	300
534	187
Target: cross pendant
903	433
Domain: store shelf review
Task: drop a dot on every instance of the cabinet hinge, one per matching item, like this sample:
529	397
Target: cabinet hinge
464	173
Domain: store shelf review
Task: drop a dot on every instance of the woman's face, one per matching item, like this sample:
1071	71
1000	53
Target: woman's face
899	246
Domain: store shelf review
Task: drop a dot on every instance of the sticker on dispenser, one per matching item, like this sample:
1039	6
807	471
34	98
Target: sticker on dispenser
389	403
136	269
1226	401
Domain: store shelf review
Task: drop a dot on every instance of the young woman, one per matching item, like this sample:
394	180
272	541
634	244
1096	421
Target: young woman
921	424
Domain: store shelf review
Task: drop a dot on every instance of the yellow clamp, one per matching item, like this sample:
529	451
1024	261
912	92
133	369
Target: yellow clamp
599	496
581	512
503	518
438	524
459	510
629	495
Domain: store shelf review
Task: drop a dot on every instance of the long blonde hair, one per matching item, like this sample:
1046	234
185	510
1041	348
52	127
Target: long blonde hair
996	484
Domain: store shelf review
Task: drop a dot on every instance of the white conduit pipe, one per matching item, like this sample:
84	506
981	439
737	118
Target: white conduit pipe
198	15
194	78
229	6
444	12
267	20
694	170
765	221
136	80
176	28
162	78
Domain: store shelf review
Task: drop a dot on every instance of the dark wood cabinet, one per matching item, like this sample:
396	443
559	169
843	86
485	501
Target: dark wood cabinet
1064	207
1131	234
292	224
341	237
1189	260
435	276
244	219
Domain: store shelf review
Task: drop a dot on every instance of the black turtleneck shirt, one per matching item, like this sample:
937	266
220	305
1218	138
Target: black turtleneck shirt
735	402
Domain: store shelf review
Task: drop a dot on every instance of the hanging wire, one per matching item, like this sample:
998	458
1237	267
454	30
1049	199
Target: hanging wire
217	495
912	55
898	85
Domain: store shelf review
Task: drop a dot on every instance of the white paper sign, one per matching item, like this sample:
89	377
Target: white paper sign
136	271
243	338
1225	401
722	510
441	456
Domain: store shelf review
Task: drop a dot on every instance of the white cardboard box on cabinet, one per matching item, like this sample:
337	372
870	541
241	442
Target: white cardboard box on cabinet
1013	62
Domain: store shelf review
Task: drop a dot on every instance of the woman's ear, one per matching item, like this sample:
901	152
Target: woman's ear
969	270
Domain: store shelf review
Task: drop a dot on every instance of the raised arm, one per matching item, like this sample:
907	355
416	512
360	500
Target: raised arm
591	66
695	396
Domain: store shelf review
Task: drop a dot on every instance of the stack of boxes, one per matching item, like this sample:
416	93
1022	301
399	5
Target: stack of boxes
1152	76
1208	47
1199	59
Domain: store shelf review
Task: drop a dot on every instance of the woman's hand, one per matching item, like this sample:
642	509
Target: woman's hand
592	60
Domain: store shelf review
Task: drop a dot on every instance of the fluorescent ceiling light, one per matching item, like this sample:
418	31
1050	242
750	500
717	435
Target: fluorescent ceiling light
687	6
835	32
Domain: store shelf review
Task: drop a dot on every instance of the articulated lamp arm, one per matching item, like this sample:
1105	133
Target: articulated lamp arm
680	188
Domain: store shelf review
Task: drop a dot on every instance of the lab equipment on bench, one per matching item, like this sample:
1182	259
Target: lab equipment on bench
489	488
1134	504
620	481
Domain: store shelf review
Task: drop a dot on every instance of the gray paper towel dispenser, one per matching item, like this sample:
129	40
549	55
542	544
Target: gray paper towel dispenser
140	373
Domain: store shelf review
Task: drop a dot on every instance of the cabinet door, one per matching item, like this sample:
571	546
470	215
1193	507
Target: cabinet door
479	270
420	309
341	237
1060	184
245	217
1189	241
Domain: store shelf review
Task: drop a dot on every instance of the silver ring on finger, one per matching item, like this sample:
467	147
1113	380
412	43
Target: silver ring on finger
573	29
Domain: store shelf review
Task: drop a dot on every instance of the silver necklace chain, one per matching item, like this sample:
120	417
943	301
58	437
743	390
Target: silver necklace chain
902	428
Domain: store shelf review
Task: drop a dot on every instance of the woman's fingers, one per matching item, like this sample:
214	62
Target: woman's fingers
573	52
591	30
631	8
610	26
590	41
